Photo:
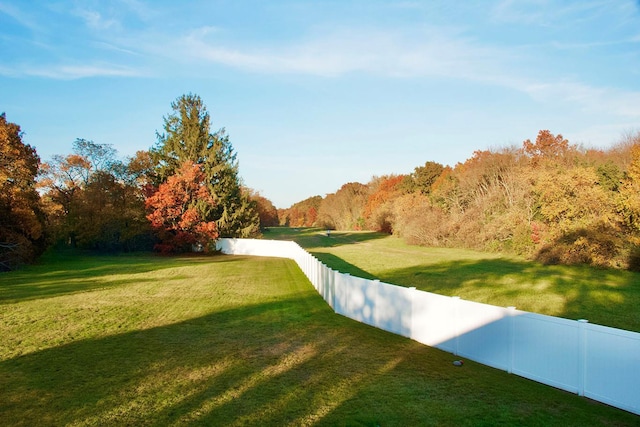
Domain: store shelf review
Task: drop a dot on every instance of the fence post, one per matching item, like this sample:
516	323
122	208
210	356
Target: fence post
330	296
314	273
412	321
582	355
325	283
334	273
346	295
456	325
511	312
375	306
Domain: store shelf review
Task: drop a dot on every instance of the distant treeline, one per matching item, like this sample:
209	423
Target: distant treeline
548	200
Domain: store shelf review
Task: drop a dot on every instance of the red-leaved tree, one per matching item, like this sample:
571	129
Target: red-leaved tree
178	208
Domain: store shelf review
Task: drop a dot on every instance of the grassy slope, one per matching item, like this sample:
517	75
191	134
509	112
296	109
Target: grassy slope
605	297
233	341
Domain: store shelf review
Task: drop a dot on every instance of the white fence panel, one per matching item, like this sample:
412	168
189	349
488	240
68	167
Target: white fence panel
483	333
322	279
315	268
393	308
341	289
327	285
612	357
546	349
433	322
257	247
358	299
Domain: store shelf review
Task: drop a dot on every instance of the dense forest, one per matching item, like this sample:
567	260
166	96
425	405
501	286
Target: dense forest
547	200
178	196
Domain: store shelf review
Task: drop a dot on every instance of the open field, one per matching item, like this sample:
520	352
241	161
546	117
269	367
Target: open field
145	340
605	297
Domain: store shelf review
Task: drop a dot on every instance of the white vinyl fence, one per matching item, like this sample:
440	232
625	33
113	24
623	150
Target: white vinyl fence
595	361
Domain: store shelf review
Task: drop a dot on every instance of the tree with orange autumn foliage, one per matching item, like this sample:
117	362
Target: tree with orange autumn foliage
629	198
267	212
547	147
22	232
301	214
178	208
419	222
343	210
378	209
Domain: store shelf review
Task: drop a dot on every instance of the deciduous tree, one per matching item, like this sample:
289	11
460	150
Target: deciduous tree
378	210
547	147
178	210
343	210
22	233
423	177
629	198
267	212
301	214
93	200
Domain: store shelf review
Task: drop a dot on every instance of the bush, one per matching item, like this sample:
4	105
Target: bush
600	247
633	263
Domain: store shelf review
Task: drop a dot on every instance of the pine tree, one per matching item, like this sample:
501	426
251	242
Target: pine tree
187	136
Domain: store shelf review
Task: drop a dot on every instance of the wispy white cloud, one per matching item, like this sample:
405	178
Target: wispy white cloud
115	48
435	52
71	72
95	20
19	16
8	71
546	13
521	12
414	51
340	51
113	18
144	11
587	97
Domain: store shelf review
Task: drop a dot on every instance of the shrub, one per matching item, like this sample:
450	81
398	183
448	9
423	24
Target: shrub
598	246
633	263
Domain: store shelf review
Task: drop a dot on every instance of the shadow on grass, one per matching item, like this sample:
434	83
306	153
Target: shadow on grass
310	238
606	297
73	273
286	362
338	264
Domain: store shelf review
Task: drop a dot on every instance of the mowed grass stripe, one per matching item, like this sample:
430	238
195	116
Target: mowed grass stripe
224	340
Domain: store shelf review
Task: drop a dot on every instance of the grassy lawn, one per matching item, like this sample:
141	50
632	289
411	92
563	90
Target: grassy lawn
605	297
230	341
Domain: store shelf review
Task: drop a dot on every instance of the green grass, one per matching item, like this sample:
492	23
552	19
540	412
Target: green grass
605	297
230	341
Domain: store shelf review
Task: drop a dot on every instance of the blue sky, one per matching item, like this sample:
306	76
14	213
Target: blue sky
317	94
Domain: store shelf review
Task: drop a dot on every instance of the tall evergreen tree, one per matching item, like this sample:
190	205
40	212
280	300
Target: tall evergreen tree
187	136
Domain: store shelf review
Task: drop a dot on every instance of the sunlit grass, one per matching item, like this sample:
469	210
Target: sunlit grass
606	297
232	341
